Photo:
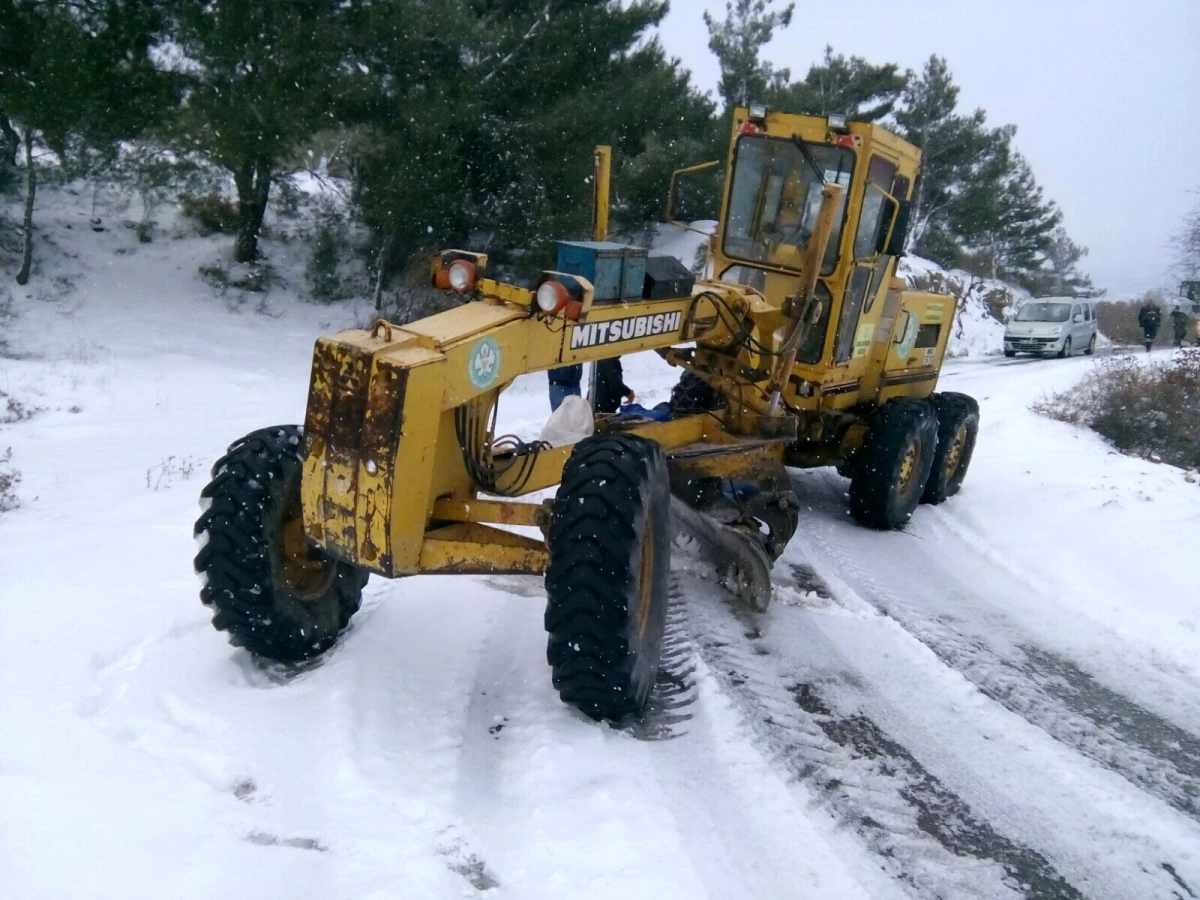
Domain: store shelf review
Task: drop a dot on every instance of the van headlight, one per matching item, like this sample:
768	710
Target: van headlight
1056	331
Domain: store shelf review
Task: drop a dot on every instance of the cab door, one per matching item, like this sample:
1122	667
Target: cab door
858	313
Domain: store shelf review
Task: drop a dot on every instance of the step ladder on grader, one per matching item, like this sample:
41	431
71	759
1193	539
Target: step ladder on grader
802	348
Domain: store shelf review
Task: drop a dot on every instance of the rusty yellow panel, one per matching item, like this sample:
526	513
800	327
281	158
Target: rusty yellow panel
464	322
376	460
473	549
413	474
508	293
316	427
499	512
333	426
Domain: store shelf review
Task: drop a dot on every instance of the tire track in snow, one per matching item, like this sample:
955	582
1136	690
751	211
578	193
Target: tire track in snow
923	835
1043	687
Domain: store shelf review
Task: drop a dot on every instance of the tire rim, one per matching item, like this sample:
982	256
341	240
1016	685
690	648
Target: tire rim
306	574
908	466
646	581
954	454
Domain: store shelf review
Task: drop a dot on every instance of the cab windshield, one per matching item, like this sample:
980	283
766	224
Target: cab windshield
1044	312
774	200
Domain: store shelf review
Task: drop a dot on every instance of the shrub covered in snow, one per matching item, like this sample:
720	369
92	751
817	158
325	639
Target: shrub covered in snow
1148	410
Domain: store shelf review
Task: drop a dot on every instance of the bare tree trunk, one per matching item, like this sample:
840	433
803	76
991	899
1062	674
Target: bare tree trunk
254	189
385	252
30	191
11	143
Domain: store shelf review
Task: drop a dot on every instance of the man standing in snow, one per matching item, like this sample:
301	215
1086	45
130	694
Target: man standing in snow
1149	318
1179	325
610	386
564	382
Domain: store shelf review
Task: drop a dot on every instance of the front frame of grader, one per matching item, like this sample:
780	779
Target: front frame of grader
397	431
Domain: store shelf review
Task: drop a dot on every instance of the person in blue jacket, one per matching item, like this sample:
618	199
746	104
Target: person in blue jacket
564	382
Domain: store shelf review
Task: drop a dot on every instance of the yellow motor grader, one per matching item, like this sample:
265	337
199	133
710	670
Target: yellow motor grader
802	348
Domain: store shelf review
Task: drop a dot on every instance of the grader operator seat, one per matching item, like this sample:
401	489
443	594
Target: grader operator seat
803	349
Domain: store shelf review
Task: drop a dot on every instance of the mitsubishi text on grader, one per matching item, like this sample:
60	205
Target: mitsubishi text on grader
802	349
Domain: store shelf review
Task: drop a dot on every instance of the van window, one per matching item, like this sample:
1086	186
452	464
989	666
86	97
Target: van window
1087	312
1076	310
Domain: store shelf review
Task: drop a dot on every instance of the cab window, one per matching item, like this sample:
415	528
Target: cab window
774	198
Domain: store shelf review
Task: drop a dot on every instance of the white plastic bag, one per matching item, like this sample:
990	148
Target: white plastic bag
570	423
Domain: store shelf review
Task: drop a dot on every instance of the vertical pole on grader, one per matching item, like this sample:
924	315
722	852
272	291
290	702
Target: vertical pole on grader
603	162
601	177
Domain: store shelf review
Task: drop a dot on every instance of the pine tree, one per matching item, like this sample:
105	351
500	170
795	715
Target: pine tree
737	42
949	143
1186	243
260	76
484	136
75	79
847	85
1060	275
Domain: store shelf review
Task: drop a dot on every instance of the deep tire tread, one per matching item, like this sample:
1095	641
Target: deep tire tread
874	499
952	410
610	485
248	601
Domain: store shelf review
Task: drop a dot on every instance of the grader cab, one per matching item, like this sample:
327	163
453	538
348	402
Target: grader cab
801	348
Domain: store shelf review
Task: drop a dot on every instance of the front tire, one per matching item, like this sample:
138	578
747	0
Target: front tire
607	581
271	591
691	396
1010	353
892	468
958	429
1065	352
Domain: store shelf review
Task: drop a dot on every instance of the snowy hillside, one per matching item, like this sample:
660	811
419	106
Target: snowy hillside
1000	701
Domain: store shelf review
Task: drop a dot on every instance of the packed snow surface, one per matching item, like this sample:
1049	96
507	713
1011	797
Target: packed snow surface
999	701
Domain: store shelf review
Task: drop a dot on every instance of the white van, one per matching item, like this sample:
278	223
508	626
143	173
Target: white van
1061	326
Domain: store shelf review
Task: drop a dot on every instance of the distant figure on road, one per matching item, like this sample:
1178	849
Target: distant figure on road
1149	317
564	382
1179	326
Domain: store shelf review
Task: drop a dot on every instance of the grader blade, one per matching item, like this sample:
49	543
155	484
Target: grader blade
739	558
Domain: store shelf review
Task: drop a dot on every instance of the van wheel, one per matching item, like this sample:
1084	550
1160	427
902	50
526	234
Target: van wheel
1091	347
958	428
892	468
1066	350
1010	353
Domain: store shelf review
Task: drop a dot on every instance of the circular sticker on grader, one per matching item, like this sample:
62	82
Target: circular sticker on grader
483	365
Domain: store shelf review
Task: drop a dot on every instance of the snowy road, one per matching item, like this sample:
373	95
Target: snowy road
1001	701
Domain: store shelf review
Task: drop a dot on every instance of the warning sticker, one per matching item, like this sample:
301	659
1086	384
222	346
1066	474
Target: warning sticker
862	339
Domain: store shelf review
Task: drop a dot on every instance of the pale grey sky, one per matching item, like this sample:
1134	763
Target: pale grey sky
1105	95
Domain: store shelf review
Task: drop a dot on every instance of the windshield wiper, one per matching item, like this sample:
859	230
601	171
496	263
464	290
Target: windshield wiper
809	158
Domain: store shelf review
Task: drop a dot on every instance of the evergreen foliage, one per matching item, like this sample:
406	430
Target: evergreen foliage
472	122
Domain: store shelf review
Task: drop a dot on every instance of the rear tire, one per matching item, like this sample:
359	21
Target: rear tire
691	396
271	591
1091	347
892	467
607	581
958	429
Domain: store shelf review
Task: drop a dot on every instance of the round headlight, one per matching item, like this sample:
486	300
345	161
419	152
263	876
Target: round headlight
552	296
461	275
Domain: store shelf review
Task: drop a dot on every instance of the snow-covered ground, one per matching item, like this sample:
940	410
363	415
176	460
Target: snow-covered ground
1000	701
